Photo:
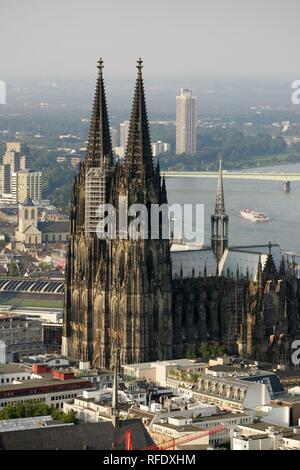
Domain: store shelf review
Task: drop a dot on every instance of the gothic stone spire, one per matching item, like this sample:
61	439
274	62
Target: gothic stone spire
99	143
139	162
219	221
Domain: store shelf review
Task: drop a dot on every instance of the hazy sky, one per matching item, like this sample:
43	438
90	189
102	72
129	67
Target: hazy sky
174	37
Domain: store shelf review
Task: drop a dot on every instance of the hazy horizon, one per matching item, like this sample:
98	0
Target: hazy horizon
197	38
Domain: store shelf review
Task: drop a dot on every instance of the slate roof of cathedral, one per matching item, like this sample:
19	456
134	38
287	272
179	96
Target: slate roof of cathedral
57	226
241	258
92	436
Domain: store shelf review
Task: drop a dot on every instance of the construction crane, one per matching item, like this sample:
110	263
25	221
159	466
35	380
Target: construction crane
181	440
127	437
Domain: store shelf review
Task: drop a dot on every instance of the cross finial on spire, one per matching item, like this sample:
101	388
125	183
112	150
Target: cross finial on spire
100	65
139	65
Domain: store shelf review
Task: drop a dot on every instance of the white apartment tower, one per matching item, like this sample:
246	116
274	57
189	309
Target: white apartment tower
124	129
113	136
185	122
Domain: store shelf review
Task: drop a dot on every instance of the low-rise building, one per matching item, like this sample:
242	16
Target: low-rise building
35	422
177	425
53	391
159	147
18	337
95	405
13	373
262	436
230	393
158	371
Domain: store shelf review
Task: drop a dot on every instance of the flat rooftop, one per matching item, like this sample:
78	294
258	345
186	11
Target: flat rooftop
185	428
11	368
39	383
220	417
174	362
261	426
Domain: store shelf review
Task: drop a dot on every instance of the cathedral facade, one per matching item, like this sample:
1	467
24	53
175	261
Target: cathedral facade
150	298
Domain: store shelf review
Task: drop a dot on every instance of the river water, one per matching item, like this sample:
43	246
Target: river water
282	208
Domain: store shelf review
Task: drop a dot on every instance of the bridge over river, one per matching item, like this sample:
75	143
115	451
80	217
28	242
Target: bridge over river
278	176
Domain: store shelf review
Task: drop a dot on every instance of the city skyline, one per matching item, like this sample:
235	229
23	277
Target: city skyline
149	220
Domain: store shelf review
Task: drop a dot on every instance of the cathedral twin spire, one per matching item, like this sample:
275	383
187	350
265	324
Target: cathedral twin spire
139	162
99	142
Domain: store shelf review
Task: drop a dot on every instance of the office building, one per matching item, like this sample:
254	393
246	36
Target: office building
29	185
113	136
124	129
159	147
4	179
185	122
19	336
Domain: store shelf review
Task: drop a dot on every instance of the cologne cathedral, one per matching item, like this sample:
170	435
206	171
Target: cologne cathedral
153	299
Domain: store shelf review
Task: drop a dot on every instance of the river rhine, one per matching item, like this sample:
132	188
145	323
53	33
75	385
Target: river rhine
282	208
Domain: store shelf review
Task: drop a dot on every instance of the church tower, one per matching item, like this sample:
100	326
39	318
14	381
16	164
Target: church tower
219	220
85	249
118	293
138	292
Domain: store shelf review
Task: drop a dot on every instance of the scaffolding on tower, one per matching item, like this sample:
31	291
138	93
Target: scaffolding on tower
95	198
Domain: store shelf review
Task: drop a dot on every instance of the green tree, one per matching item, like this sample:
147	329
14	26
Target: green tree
190	353
13	269
39	408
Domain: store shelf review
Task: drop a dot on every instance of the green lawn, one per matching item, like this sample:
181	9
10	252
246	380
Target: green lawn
21	300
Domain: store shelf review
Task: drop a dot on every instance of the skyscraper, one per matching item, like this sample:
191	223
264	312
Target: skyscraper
124	129
185	122
29	185
114	136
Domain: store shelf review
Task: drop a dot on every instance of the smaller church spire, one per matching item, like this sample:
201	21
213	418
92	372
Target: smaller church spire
220	204
164	198
219	221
